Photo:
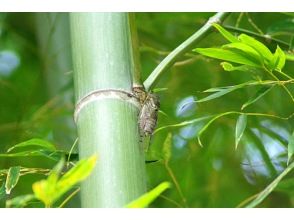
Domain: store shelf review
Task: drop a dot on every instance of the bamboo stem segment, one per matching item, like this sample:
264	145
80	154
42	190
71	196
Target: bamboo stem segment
103	61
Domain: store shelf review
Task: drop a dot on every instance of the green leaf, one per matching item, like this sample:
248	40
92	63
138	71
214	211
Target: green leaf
12	178
220	91
238	86
167	147
240	128
279	59
258	46
251	52
53	155
184	123
156	90
290	147
230	37
229	67
261	92
78	173
262	195
149	197
217	94
227	55
54	187
41	144
20	201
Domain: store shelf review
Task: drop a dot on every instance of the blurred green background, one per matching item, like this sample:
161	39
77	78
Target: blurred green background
37	101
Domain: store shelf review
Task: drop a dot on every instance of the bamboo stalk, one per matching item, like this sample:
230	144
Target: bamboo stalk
107	125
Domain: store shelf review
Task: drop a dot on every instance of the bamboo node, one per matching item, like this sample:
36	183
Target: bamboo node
105	94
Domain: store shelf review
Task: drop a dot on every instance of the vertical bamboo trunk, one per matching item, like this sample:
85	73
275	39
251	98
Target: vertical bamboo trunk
107	125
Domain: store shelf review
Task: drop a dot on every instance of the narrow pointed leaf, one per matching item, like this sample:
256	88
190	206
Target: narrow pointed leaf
220	91
229	67
282	58
290	147
262	195
54	187
240	128
41	144
227	55
278	60
149	197
260	93
226	34
184	123
217	94
12	178
248	50
258	46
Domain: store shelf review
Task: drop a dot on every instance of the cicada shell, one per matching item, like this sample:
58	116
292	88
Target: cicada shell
148	114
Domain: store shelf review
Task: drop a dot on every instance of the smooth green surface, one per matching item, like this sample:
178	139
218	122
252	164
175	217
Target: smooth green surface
101	48
102	60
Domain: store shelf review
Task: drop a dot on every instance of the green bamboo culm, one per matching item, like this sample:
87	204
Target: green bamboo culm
103	60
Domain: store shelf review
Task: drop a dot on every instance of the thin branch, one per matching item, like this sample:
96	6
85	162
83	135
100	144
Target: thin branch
252	23
168	61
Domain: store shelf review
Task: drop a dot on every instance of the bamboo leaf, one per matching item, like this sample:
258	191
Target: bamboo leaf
78	173
261	92
41	144
19	201
12	178
184	123
229	67
227	55
220	91
230	37
262	195
240	128
54	187
258	46
218	94
149	197
290	147
248	50
53	155
280	63
167	147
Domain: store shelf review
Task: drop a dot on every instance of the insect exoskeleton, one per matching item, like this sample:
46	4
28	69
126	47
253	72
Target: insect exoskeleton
149	109
148	114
